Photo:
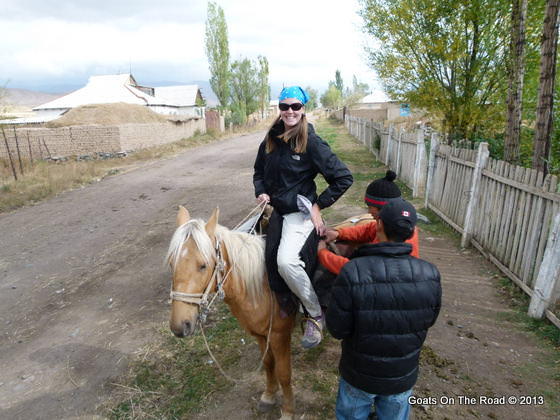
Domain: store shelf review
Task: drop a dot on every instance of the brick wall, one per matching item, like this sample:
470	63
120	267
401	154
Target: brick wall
64	141
90	139
141	136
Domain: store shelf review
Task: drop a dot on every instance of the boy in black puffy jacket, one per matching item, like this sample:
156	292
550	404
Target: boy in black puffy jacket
382	304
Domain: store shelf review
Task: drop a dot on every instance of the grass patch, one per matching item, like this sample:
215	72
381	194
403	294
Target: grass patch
177	377
363	165
437	227
547	334
519	301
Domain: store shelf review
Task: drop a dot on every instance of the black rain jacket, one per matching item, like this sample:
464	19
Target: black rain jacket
283	174
382	304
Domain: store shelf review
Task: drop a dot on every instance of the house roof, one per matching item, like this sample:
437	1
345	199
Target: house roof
123	88
184	95
375	97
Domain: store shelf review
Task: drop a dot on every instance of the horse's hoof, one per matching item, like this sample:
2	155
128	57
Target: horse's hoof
287	417
266	403
263	406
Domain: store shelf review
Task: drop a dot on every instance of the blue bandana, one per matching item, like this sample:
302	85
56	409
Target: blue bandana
294	92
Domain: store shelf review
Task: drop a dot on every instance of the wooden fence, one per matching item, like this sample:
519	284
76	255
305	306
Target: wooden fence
509	213
396	149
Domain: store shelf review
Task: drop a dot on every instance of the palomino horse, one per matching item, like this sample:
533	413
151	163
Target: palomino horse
206	257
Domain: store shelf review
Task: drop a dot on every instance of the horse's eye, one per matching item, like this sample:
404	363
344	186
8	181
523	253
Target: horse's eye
202	267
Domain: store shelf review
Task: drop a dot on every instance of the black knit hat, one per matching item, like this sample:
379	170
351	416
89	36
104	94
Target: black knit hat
380	191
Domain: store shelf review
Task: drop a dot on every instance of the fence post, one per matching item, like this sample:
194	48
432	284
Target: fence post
397	160
481	160
549	272
389	144
434	146
419	164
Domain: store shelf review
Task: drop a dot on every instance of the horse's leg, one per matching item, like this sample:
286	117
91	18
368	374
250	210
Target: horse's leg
280	344
268	400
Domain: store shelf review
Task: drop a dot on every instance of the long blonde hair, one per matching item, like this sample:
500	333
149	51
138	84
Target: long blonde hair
298	132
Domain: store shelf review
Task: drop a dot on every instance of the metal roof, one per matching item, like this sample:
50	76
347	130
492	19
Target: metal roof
122	88
376	96
184	95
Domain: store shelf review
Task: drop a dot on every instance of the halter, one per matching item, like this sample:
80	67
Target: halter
201	299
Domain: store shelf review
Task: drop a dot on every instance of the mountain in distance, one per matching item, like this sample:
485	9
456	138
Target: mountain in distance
28	98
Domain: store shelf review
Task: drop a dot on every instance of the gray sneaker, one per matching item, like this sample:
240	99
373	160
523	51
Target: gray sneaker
313	332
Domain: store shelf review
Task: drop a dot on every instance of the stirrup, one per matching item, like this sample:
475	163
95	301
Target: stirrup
314	321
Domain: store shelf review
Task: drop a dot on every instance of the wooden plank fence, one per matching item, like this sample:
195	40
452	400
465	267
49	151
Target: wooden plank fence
509	213
404	153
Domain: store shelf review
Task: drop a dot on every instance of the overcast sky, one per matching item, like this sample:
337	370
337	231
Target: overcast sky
56	45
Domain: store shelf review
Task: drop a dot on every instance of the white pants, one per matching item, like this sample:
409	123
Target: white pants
295	230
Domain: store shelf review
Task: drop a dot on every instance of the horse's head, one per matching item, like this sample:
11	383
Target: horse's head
191	256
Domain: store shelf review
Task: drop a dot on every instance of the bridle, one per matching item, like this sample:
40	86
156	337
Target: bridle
201	299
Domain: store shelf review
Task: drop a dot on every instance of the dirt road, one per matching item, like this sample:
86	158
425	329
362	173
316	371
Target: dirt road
82	281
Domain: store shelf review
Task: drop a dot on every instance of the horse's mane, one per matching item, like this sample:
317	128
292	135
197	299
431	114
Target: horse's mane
245	251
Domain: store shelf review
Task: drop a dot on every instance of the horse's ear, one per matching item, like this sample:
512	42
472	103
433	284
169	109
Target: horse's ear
183	216
212	222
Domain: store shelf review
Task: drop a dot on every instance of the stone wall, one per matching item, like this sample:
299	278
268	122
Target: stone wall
39	143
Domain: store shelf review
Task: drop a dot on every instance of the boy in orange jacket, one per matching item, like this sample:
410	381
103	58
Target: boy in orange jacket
378	193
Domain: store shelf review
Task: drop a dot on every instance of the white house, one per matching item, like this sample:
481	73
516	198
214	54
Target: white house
375	100
180	101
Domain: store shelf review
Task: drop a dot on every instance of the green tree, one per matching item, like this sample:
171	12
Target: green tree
217	52
332	98
338	82
264	88
244	90
445	56
358	91
313	101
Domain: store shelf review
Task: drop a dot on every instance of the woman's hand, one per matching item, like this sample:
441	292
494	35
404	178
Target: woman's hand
317	220
263	197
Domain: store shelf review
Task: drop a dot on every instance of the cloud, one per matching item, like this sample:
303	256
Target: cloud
83	11
69	41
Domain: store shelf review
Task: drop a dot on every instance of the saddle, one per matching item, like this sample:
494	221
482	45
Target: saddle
322	280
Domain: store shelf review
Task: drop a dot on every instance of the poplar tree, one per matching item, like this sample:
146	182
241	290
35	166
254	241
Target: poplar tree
264	89
217	51
338	82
